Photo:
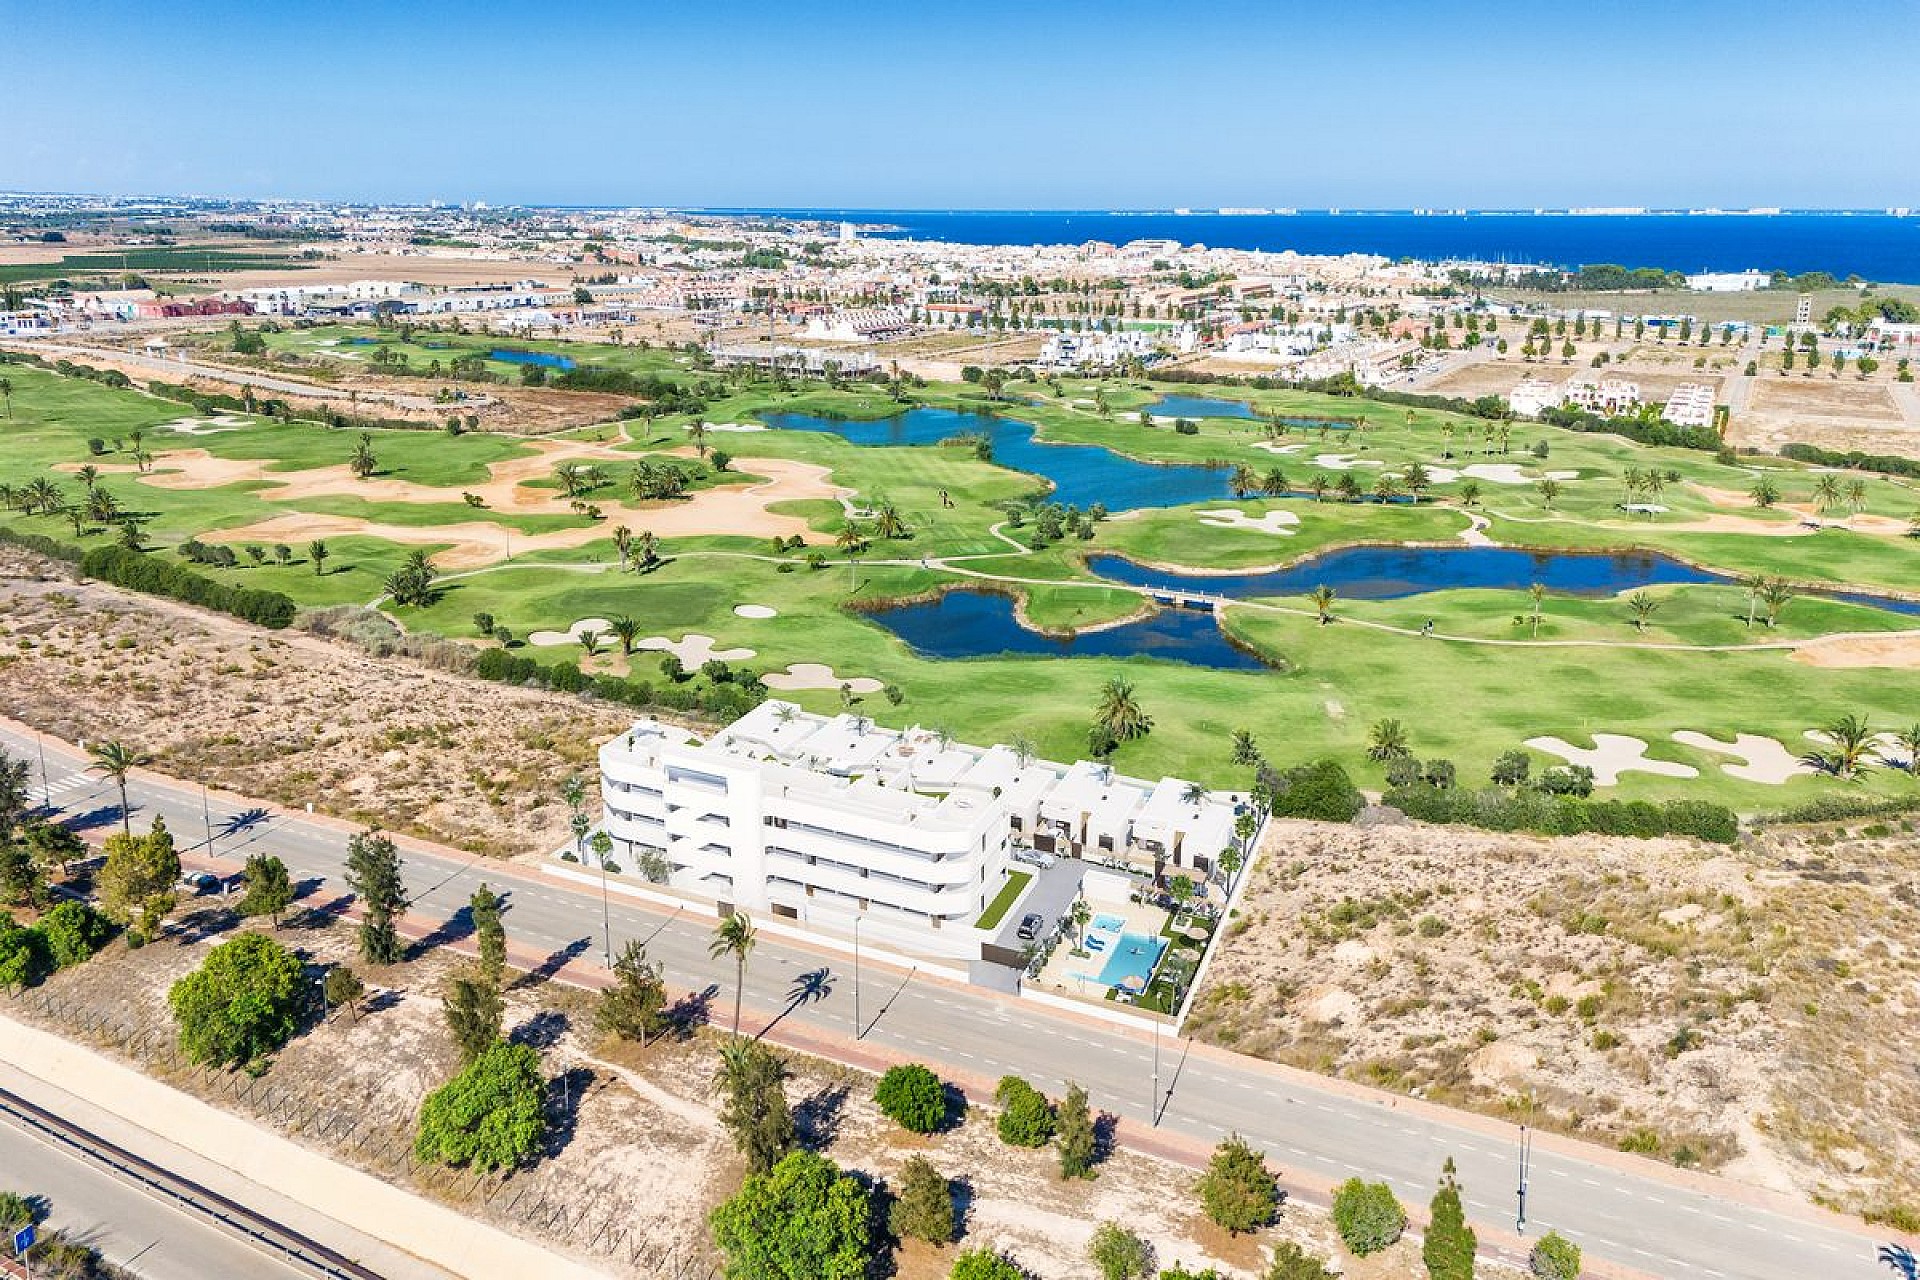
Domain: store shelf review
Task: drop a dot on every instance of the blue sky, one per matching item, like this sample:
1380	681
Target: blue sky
1059	104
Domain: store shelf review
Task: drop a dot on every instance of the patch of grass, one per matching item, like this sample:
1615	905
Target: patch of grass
1017	882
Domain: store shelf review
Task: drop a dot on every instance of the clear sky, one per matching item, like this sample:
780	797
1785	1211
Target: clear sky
976	104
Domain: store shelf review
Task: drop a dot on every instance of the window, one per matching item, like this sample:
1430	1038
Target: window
1106	842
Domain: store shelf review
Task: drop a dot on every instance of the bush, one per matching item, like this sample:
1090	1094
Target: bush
74	931
1321	791
490	1116
1523	809
802	1220
985	1264
1238	1191
24	958
244	1001
1120	1254
1291	1262
1367	1216
1555	1258
139	572
1026	1117
913	1098
923	1210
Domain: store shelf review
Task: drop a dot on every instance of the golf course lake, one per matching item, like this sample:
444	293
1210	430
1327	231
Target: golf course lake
1200	407
982	624
1081	474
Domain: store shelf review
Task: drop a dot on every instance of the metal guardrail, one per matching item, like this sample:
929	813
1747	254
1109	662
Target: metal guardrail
236	1219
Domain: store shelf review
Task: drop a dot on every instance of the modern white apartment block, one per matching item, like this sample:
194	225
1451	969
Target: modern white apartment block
824	820
1608	397
1690	405
1532	396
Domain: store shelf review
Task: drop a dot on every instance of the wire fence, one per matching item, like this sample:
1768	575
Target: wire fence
583	1222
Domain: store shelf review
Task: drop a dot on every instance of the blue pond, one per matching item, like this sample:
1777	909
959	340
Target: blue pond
979	624
1388	573
1082	474
507	355
1199	407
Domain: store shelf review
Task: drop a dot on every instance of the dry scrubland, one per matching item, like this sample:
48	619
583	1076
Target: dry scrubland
293	718
639	1158
1749	1011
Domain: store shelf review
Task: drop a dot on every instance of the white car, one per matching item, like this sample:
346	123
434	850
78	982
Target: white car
1034	857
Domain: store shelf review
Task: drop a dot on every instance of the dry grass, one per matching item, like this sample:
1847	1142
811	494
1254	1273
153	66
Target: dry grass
1742	1011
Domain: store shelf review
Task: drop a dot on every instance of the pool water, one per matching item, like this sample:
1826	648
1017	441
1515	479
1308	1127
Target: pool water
1109	923
1132	955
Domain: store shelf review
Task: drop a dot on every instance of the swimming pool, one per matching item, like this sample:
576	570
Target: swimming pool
1132	955
1107	923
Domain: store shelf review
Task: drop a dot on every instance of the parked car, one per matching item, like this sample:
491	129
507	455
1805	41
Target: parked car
1034	857
1029	927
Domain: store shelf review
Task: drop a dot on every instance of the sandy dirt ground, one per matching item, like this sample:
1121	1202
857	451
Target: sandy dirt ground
1746	1009
290	717
1860	651
1835	413
637	1157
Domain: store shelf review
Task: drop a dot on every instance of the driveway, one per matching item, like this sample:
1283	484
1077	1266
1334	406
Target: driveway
1051	893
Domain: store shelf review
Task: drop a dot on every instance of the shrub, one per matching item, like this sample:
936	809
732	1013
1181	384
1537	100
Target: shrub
1367	1216
1291	1262
1555	1257
490	1116
24	959
1119	1254
74	931
1238	1191
1321	790
924	1208
244	1001
139	572
1026	1117
801	1220
985	1264
912	1097
1079	1144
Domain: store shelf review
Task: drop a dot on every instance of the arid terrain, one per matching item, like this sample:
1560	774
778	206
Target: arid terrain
291	717
1746	1010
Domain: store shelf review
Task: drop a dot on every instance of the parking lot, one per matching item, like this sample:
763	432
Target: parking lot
1051	893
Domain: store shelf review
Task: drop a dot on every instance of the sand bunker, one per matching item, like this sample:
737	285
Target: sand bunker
814	675
755	611
1279	523
736	426
1612	754
1899	650
694	650
571	635
1272	446
179	469
1343	461
1762	759
212	426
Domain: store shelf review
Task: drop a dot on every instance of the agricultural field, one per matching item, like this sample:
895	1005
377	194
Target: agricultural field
798	554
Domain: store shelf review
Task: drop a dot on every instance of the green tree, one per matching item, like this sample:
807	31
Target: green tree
1387	740
985	1264
1850	749
1555	1257
491	935
74	931
490	1116
1119	1253
923	1207
1321	598
243	1002
24	955
317	552
1026	1117
1119	714
1642	605
1078	1143
343	990
803	1219
115	760
269	888
1238	1191
373	873
1764	492
751	1082
136	882
473	1010
734	937
1367	1216
634	1007
1449	1244
912	1097
1291	1262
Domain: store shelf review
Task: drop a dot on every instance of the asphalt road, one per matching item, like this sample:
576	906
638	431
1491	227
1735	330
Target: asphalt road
1623	1214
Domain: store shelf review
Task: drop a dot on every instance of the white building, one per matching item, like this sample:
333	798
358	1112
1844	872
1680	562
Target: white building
1608	397
860	324
1690	405
825	820
1533	396
1067	350
1728	281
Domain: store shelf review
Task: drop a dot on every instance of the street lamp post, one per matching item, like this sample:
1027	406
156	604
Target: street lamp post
46	787
859	1030
206	818
1526	1158
1155	1109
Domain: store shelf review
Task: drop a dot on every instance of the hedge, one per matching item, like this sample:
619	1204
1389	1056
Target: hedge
140	572
724	700
43	544
1531	810
1838	808
1885	463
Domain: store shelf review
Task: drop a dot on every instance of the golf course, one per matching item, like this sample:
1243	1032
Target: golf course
986	557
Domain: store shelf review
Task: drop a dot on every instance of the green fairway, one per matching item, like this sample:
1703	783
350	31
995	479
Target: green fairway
1489	677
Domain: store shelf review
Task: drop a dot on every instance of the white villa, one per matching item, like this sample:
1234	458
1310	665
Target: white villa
1608	397
823	820
1690	405
1532	396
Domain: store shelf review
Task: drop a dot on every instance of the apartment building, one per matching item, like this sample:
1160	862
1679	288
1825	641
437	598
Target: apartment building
827	820
1690	405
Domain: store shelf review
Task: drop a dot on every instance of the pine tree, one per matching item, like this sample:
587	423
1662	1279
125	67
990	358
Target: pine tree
753	1106
474	1010
1450	1242
924	1208
1077	1140
634	1007
1238	1191
373	873
490	932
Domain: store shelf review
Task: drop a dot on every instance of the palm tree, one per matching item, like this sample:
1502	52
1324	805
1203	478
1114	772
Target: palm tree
1753	584
1386	488
6	394
1857	494
1321	598
1537	593
361	461
88	475
1850	742
1274	482
1349	487
1826	492
1242	480
42	495
590	642
1193	794
1318	487
1387	740
318	553
1764	492
1908	740
697	431
574	479
622	544
1642	606
1775	593
1024	749
626	630
888	522
1246	752
850	539
115	759
1119	712
735	937
1470	493
1418	480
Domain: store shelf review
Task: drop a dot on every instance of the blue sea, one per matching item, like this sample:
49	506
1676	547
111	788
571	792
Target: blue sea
1874	246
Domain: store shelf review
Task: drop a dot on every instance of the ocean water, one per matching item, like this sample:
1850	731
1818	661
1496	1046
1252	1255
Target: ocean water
1871	245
